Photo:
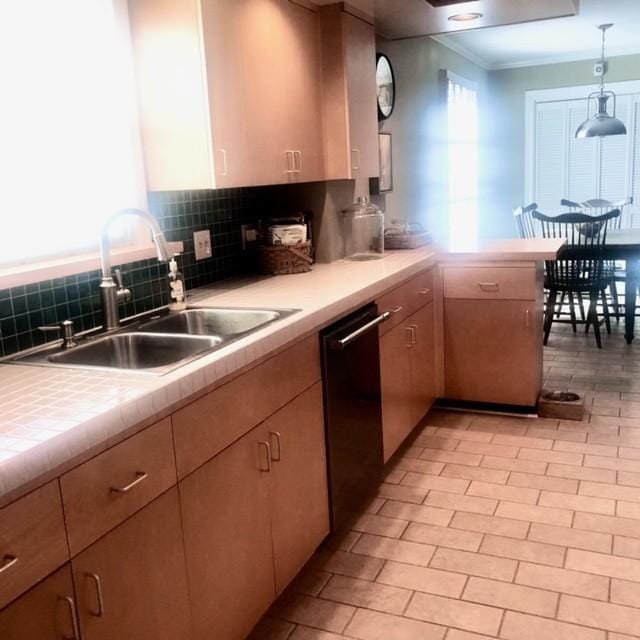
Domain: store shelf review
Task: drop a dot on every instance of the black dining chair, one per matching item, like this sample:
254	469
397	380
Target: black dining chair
580	269
523	221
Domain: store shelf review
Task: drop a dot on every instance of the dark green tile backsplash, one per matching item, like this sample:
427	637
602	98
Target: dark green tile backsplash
180	213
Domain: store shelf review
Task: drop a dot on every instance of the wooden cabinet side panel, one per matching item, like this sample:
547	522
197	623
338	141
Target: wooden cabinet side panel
299	496
41	613
492	351
209	424
172	96
227	533
141	567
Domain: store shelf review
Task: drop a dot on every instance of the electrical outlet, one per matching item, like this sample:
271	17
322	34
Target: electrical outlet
202	244
249	235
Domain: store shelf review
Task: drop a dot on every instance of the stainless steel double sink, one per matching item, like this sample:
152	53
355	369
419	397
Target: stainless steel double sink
160	343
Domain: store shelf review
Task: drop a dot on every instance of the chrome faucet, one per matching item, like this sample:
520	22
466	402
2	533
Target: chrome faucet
113	294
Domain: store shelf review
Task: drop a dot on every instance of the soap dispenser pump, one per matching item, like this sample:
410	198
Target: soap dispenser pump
177	290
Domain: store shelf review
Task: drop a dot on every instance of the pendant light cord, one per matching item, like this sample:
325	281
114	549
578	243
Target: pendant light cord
603	28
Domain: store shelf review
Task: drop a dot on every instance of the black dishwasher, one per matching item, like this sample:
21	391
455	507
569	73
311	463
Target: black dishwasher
353	410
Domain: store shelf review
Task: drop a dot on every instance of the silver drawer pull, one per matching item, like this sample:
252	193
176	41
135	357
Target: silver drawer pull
268	458
276	457
397	309
489	286
7	562
96	580
140	476
424	292
68	600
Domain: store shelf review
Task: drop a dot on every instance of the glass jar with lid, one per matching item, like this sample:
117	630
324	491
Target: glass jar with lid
363	231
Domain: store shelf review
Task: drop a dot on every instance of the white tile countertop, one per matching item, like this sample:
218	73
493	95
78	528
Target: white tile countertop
54	418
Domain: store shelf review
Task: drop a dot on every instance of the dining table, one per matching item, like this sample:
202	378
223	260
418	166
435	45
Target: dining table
624	245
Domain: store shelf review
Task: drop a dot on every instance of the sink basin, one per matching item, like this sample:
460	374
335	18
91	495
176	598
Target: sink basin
228	323
135	351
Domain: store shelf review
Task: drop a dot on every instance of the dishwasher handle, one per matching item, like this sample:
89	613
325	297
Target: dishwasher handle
338	345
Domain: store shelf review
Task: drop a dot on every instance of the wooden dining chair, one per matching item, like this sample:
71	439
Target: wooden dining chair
523	221
581	269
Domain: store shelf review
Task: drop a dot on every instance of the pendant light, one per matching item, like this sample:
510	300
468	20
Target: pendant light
601	123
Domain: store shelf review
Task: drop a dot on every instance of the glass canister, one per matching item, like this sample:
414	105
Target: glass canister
363	231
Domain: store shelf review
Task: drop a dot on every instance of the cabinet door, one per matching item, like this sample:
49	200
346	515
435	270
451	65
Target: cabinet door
395	380
299	495
493	351
423	361
132	583
225	511
46	612
360	64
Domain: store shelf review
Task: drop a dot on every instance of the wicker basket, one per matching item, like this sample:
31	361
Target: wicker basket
406	240
282	259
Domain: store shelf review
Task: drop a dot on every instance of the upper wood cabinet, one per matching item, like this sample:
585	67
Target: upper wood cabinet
349	94
229	92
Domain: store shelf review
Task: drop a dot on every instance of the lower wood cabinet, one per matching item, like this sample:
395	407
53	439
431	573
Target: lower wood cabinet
407	375
132	582
253	515
46	612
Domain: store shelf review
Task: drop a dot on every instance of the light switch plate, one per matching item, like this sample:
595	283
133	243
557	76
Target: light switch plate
202	244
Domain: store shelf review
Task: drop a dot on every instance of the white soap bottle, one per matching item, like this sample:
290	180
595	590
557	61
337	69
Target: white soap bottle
177	290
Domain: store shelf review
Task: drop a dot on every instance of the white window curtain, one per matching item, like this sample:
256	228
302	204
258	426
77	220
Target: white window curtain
462	137
70	145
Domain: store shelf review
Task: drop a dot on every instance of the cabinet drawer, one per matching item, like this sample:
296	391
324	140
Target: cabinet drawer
32	541
104	491
490	283
406	299
208	425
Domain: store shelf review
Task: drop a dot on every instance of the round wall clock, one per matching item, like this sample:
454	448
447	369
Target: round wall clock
386	86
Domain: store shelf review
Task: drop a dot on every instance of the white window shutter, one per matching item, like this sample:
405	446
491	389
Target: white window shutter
550	155
582	166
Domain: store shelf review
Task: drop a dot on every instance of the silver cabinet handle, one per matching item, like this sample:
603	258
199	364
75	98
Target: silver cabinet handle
409	339
7	562
277	436
423	292
489	286
225	170
68	600
291	162
526	318
396	309
355	159
338	345
140	476
297	166
267	448
96	581
413	333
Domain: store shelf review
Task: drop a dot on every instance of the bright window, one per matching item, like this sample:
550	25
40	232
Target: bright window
462	130
70	152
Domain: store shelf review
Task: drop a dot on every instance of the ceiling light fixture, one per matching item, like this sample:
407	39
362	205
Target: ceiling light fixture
601	123
465	17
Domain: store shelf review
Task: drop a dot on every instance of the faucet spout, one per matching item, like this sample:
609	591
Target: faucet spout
111	293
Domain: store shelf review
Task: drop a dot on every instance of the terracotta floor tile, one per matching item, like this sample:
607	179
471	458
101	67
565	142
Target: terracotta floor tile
472	459
420	466
618	464
557	457
555	434
448	612
533	481
508	464
417	513
490	524
448	485
563	580
461	503
443	536
310	582
393	476
475	473
456	634
348	564
629	547
606	524
619	636
518	626
616	492
488	448
501	492
372	625
601	615
367	595
402	492
443	583
306	633
522	550
459	434
581	473
522	441
271	629
434	442
566	537
625	592
579	447
314	612
475	564
603	564
633	453
577	502
629	478
511	596
628	509
534	513
390	549
380	525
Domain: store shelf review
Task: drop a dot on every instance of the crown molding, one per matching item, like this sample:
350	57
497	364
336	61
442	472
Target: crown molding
462	51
